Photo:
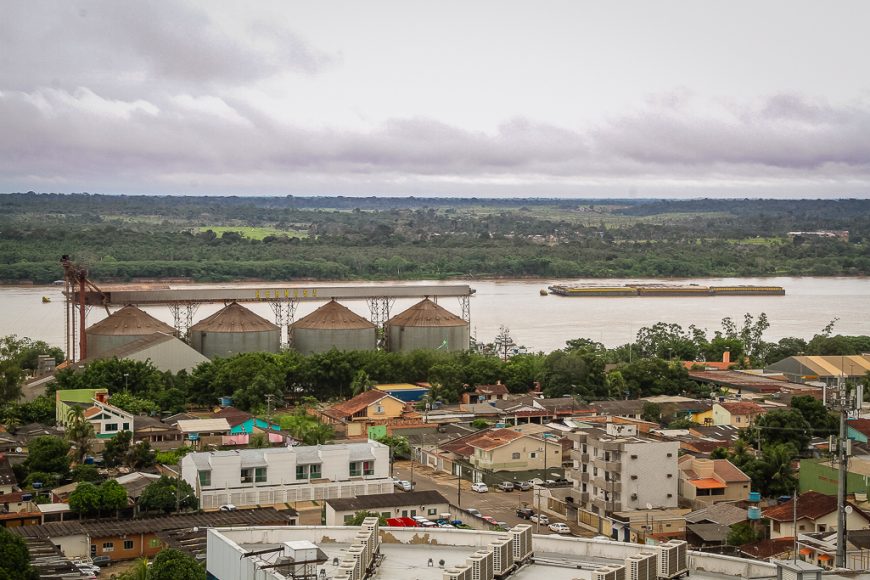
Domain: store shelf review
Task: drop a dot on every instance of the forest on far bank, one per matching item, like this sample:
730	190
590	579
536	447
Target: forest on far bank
123	238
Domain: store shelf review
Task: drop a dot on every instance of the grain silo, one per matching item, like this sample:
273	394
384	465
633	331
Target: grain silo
427	326
123	327
332	325
232	330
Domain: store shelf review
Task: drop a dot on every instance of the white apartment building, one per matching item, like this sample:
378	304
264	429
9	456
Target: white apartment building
614	470
261	477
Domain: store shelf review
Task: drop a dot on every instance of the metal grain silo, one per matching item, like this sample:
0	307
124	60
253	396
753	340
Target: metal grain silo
427	326
232	330
122	327
332	326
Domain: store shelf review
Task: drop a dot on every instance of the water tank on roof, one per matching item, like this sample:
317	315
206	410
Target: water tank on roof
755	496
427	326
754	513
127	325
232	330
332	325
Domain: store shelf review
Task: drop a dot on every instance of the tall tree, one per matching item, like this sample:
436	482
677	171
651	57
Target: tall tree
172	564
15	558
162	495
79	432
48	454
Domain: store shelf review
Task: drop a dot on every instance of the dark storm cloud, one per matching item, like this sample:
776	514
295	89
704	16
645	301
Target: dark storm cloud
81	137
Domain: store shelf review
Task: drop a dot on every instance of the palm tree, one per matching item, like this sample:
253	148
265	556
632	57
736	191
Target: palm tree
79	433
139	571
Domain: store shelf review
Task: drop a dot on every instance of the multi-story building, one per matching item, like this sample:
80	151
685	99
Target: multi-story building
615	470
251	477
704	482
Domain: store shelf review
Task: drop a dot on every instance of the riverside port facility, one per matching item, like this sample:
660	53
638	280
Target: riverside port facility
183	301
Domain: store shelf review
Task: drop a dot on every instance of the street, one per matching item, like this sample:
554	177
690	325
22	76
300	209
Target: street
498	504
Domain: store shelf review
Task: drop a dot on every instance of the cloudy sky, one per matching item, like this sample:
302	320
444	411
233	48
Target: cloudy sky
487	98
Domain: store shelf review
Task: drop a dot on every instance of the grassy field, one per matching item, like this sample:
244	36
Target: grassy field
254	233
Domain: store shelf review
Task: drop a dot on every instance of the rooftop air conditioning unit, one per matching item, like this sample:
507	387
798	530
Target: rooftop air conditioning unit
457	573
609	573
481	565
672	559
502	555
522	540
641	566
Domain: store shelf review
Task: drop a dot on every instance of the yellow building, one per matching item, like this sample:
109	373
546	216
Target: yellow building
509	450
373	407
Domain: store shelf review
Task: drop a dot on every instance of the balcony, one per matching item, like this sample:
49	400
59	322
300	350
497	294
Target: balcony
584	497
612	466
606	506
578	455
609	445
611	486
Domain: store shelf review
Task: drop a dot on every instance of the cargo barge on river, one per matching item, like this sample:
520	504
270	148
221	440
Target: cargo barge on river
665	290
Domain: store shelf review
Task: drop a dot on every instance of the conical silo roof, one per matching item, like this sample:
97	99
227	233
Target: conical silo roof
333	316
129	321
426	313
233	318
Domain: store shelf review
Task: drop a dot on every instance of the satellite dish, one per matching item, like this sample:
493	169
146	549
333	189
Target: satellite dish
848	509
648	506
18	450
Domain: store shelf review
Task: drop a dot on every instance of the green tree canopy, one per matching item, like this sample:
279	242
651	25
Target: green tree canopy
48	454
115	449
85	500
172	564
113	496
161	496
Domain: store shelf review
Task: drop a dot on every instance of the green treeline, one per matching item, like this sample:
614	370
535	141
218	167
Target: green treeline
122	238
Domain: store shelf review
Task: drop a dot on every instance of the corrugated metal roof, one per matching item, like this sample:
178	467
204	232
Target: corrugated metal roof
129	321
426	313
233	318
203	425
333	316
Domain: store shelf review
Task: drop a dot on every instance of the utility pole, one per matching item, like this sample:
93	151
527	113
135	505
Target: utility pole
843	404
269	398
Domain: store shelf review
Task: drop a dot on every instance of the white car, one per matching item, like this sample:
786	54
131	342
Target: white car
404	485
420	518
227	508
479	487
560	528
473	512
540	519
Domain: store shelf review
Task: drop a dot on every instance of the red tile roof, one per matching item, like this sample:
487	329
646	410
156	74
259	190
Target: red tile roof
493	438
728	471
743	408
358	403
232	415
498	389
811	505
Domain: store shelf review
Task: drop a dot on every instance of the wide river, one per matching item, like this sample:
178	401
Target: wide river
545	322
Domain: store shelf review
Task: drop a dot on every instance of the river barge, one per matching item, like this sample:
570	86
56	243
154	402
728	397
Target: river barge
665	290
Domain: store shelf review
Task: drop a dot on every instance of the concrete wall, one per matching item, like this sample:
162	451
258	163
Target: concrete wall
818	475
226	561
337	518
313	340
226	344
77	546
651	468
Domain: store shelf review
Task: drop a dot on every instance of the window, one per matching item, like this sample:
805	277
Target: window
247	475
301	472
128	544
108	547
515	455
379	410
314	471
432	511
532	455
775	526
347	519
111	427
308	471
368	467
154	543
670	475
205	478
386	515
260	475
355	470
126	426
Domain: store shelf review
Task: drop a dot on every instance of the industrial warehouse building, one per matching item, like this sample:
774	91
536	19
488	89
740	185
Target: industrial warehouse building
332	325
232	330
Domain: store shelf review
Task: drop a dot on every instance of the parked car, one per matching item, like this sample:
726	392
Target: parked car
227	507
490	519
535	481
473	512
560	528
404	485
420	518
525	512
479	487
101	561
428	524
540	519
444	525
88	569
506	486
523	486
503	525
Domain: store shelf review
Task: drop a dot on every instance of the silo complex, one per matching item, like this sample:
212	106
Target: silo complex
232	330
332	326
427	326
123	327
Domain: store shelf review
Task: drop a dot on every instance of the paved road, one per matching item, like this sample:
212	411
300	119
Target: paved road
498	504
